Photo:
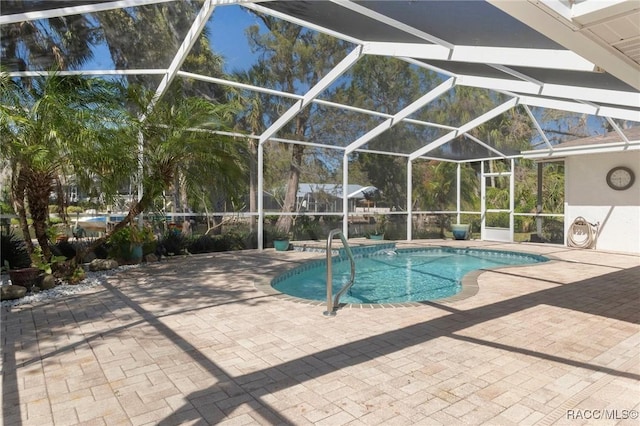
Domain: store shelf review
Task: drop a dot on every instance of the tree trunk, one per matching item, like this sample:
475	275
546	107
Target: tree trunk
38	190
136	208
289	205
17	199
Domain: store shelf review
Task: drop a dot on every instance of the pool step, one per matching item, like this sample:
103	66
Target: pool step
359	246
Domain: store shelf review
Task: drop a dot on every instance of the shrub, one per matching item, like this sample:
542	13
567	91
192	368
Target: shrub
122	241
100	252
13	252
74	209
202	244
232	241
64	248
173	243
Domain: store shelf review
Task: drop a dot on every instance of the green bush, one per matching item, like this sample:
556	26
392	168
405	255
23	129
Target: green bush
72	210
13	252
122	241
64	248
173	243
207	244
202	244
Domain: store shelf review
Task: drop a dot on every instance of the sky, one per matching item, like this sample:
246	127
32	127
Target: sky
226	28
228	38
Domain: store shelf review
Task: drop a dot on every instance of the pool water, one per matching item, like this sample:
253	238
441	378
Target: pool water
394	276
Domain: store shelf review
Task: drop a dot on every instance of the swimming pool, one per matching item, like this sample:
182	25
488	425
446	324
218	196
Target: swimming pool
395	276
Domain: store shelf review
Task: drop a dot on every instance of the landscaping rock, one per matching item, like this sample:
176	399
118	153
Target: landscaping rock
10	292
103	264
48	282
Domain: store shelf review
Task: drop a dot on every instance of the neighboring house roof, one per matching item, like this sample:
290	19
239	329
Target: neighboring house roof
334	189
609	142
632	134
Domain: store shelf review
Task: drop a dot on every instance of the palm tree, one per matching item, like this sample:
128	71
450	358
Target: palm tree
251	119
177	141
54	127
438	188
61	43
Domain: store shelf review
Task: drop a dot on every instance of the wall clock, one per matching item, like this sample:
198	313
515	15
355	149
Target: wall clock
620	178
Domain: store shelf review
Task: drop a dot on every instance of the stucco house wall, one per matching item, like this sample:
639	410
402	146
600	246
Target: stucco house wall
588	195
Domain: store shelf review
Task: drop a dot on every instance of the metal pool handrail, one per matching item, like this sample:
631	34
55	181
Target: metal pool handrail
332	303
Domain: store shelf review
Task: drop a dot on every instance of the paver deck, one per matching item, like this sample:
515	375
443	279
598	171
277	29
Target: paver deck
193	341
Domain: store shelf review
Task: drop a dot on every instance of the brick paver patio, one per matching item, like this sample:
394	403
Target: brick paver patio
192	341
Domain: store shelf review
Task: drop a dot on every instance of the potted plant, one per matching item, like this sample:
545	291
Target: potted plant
280	240
379	230
461	231
17	261
126	244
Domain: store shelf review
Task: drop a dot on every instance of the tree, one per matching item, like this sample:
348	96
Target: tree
250	119
153	34
386	85
56	43
437	187
292	58
178	139
53	127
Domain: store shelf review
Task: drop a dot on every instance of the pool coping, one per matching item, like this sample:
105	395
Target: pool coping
469	284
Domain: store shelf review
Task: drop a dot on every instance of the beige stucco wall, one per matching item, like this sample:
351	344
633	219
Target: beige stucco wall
588	195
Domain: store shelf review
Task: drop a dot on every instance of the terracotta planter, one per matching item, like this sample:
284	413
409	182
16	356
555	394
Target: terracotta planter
25	277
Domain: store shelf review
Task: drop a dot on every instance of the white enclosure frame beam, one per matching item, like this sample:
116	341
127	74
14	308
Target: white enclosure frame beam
510	56
538	127
238	85
512	194
483	202
579	150
458	190
392	22
274	92
301	22
564	32
325	82
571	93
484	145
152	71
535	58
531	93
405	112
345	195
74	10
580	107
465	128
260	196
190	39
409	199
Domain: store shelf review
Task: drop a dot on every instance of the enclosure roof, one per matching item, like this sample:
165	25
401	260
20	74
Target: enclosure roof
581	56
